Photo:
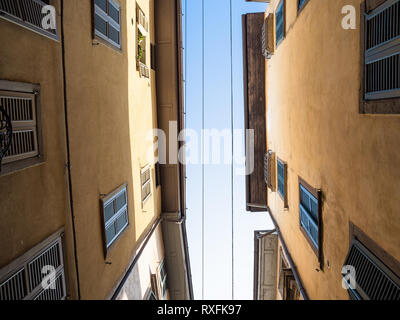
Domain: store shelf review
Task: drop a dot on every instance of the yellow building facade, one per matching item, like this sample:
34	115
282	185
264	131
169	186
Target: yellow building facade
92	177
332	142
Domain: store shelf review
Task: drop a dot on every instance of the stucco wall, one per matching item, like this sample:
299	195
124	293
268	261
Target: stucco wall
34	200
111	109
314	125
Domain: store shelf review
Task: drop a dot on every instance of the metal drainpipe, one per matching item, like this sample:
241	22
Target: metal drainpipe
69	151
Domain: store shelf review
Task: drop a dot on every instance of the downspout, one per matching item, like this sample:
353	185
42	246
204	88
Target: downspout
291	262
68	150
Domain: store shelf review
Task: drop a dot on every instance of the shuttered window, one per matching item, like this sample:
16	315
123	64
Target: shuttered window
21	108
28	14
301	4
269	170
282	180
142	32
107	25
22	279
280	22
309	214
268	37
382	55
374	280
146	184
163	279
21	103
115	215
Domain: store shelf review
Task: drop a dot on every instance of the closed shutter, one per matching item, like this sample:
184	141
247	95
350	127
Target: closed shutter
268	37
25	282
269	170
309	214
374	280
27	13
21	108
146	184
382	56
115	215
107	16
280	22
282	180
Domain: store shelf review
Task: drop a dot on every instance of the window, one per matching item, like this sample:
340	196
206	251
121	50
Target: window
269	170
268	37
150	295
163	279
380	74
373	279
280	22
282	181
146	184
310	215
153	56
158	174
22	279
142	32
21	102
115	215
28	14
107	25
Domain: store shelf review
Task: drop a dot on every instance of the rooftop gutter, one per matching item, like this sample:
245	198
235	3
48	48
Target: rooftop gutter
181	125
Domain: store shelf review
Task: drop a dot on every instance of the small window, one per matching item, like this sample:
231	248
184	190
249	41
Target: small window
22	279
142	34
146	184
20	103
280	22
28	14
373	279
107	26
158	174
150	295
115	215
282	181
163	279
310	215
269	170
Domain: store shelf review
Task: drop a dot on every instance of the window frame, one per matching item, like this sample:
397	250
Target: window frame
356	235
317	194
142	67
97	35
26	88
143	184
283	4
376	106
29	26
104	201
285	169
162	282
22	262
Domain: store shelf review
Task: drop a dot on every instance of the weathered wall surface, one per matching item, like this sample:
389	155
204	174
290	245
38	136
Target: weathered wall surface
314	125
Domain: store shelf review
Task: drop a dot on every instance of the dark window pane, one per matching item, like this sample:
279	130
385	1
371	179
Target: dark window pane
113	34
110	234
120	201
113	13
100	24
102	4
108	211
121	222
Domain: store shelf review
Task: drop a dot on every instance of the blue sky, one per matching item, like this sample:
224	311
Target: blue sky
217	182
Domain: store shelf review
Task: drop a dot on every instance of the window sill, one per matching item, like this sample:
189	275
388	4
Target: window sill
17	166
98	40
384	106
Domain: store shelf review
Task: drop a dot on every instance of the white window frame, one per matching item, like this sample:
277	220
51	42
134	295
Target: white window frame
145	183
109	20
